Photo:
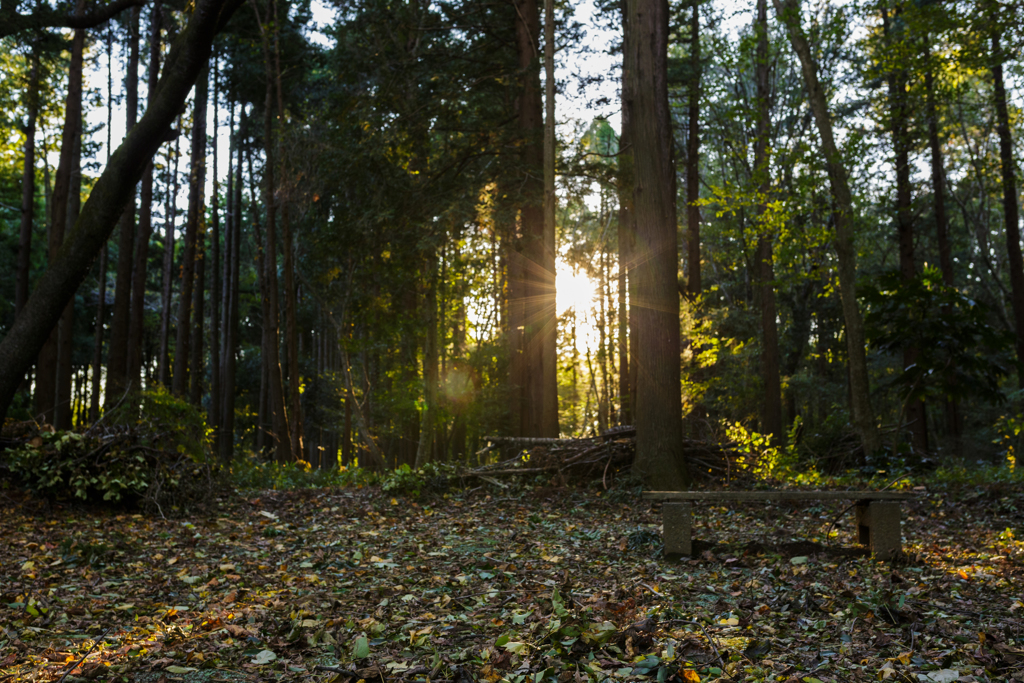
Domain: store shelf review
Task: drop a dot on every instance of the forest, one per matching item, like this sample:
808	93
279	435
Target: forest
340	340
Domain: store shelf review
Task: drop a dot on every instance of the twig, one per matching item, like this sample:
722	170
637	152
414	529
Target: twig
334	669
713	646
117	405
89	652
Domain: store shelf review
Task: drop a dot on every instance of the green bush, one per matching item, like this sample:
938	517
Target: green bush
249	472
154	455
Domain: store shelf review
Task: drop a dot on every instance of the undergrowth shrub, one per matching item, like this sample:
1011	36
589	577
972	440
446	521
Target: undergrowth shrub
252	473
152	453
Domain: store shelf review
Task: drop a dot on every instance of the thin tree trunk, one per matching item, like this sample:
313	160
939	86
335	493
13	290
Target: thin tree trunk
788	12
28	185
47	368
1011	218
117	353
63	412
901	141
428	419
693	283
231	328
548	330
193	226
771	417
215	272
627	239
659	447
136	324
197	372
166	293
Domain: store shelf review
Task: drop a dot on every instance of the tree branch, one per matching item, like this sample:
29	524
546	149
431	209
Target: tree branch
11	22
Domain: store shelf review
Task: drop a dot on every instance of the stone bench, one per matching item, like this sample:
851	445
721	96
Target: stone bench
878	514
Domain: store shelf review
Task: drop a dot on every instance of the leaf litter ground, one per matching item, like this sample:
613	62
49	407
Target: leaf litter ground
542	585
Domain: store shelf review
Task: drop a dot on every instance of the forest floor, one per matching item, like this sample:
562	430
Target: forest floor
536	585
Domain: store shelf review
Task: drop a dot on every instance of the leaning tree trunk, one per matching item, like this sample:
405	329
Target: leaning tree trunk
109	197
788	12
117	350
659	435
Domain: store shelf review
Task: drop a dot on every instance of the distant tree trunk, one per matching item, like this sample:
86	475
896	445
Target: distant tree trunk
627	239
231	327
166	292
136	324
196	370
101	303
771	416
901	141
693	284
270	347
64	408
659	447
48	379
117	351
193	226
109	196
28	184
788	12
290	289
215	273
1011	217
428	417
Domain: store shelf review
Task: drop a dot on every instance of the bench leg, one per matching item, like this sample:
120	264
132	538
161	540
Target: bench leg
878	526
676	520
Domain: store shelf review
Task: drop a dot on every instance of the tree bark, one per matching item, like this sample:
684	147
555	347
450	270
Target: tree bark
788	12
193	226
533	373
693	283
548	329
659	441
136	323
771	416
627	238
215	280
47	369
231	326
1011	217
117	351
197	373
167	291
428	417
28	184
111	193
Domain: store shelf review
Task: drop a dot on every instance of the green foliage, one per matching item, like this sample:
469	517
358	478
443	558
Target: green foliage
154	455
958	347
249	472
433	477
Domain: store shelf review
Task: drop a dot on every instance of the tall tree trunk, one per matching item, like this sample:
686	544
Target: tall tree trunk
215	272
788	12
1011	217
693	284
28	184
270	346
771	416
531	371
64	408
193	226
899	115
101	303
627	238
659	447
47	368
231	327
548	329
938	172
109	196
117	351
140	268
167	290
290	289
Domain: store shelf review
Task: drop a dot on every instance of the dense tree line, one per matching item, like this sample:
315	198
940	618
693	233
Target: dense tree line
803	224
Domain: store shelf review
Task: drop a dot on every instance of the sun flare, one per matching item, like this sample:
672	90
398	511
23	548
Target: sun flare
574	289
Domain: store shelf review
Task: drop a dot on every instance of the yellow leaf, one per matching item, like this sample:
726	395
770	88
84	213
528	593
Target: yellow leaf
691	676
